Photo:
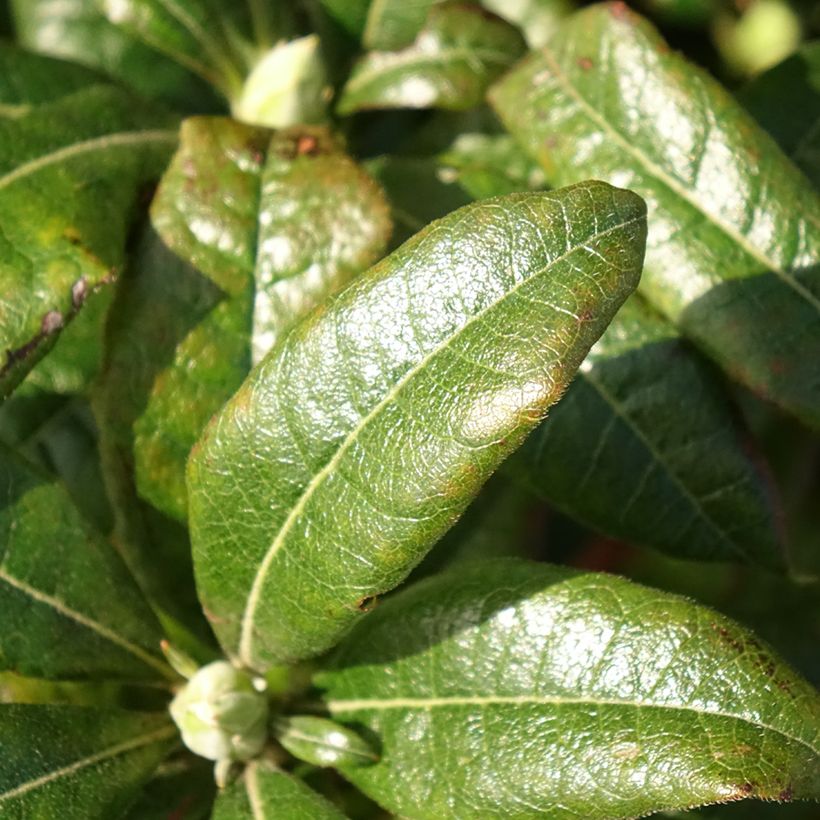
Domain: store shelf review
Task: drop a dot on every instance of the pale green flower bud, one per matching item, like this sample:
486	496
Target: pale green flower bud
220	713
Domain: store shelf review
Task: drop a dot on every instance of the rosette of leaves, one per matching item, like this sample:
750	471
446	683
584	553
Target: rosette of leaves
284	308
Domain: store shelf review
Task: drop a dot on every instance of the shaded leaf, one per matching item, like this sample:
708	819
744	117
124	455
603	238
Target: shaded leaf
28	79
364	434
786	102
74	762
59	163
351	15
181	789
276	222
69	607
564	694
457	54
77	30
733	253
644	448
266	793
58	434
159	291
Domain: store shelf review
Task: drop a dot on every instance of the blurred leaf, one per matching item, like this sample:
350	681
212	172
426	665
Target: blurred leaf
70	609
59	163
457	54
554	693
394	24
267	793
793	87
362	437
76	763
77	30
733	253
537	19
644	448
181	789
323	742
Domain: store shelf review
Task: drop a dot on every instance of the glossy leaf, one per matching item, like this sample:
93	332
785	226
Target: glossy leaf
457	54
266	793
28	79
76	763
77	30
69	607
323	742
793	86
59	163
733	254
394	24
561	694
363	435
276	222
643	447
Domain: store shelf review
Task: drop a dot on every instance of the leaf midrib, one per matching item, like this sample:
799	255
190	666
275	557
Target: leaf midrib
247	624
694	501
672	184
433	702
122	139
166	731
89	623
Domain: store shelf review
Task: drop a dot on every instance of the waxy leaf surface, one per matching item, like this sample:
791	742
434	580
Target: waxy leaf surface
76	763
77	30
267	793
69	607
733	253
363	435
457	54
785	100
393	24
276	222
62	165
644	448
512	689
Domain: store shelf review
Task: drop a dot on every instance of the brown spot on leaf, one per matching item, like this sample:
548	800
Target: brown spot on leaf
307	145
367	604
79	292
786	795
619	10
584	63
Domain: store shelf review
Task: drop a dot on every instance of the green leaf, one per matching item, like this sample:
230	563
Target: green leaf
278	221
59	163
181	789
351	15
509	688
159	291
323	742
792	86
266	793
27	80
361	438
645	449
77	30
457	54
537	19
394	24
58	434
76	763
210	38
733	253
69	607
